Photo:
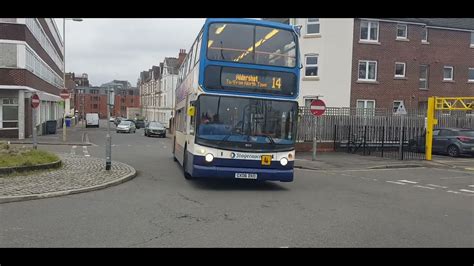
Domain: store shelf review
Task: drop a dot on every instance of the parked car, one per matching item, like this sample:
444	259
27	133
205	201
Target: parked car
139	123
92	120
451	141
112	119
126	126
155	129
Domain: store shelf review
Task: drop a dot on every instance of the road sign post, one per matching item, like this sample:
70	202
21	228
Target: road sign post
35	101
65	95
108	138
317	108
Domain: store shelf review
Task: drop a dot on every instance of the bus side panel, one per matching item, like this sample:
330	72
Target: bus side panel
179	146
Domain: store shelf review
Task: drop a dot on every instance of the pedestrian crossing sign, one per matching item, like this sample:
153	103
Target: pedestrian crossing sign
401	109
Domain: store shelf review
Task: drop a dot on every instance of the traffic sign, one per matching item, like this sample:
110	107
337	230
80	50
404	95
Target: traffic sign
401	109
64	94
318	107
35	100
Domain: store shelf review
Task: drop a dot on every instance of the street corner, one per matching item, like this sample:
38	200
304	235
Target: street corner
77	175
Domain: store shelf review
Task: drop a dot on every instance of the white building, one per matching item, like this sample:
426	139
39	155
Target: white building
169	79
326	55
150	88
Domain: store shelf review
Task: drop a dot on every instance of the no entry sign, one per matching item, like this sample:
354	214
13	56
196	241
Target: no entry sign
318	107
64	94
35	100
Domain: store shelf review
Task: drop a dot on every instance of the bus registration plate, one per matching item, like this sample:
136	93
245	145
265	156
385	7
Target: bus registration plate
266	159
246	175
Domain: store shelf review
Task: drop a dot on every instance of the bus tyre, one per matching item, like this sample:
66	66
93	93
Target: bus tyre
185	165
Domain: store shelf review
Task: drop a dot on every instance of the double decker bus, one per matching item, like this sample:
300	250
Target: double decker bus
236	109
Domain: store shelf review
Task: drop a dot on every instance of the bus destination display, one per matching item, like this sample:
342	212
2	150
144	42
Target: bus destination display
251	81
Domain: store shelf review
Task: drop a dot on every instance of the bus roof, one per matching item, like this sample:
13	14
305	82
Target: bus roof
250	21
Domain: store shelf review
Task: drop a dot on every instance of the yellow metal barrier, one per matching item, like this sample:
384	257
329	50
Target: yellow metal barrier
442	103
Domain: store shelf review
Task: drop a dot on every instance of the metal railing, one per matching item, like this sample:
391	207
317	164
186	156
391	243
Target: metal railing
376	131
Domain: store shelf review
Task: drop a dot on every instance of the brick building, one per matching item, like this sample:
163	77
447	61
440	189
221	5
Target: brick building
91	100
408	60
125	96
31	61
373	62
73	81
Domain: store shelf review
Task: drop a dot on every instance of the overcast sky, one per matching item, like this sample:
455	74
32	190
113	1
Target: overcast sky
109	49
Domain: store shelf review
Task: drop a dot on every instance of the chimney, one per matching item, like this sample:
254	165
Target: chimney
182	55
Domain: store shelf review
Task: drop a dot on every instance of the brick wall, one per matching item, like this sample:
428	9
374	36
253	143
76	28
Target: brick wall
22	77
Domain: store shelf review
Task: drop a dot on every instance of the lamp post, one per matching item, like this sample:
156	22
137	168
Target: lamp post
64	71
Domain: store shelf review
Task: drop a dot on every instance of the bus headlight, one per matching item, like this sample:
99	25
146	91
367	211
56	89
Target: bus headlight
209	157
284	161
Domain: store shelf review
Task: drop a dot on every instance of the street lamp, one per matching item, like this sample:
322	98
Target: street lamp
64	71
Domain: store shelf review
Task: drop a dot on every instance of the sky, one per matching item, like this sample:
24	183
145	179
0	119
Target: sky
108	49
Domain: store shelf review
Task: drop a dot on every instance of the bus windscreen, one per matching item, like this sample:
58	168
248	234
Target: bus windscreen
251	44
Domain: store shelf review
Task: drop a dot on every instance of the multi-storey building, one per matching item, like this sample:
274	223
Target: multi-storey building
157	89
372	62
91	100
31	61
125	96
149	87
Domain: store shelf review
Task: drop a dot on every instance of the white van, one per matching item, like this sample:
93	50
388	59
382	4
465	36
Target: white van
92	120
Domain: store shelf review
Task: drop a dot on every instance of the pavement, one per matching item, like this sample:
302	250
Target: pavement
348	161
78	174
333	206
76	135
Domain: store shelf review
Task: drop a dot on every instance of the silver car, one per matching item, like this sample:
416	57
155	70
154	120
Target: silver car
126	126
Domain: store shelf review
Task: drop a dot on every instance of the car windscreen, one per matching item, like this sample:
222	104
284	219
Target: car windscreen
155	125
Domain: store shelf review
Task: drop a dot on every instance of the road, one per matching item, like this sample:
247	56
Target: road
420	207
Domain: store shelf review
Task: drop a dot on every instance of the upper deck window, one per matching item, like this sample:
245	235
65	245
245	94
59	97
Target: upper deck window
251	44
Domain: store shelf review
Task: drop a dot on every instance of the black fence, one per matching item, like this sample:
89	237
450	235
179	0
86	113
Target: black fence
403	143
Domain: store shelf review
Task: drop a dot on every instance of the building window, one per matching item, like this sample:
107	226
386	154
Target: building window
367	70
424	34
424	77
311	68
369	31
472	39
365	107
9	113
397	104
400	70
312	26
95	106
448	73
471	75
402	31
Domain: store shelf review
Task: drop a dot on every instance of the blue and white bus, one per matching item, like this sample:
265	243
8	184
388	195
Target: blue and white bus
236	108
